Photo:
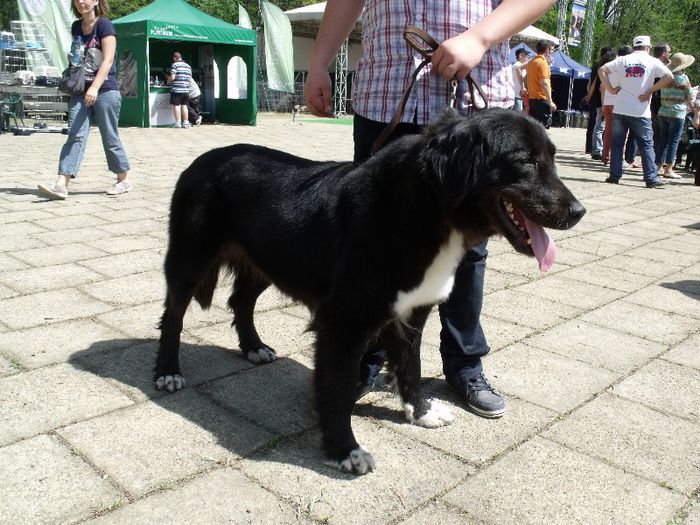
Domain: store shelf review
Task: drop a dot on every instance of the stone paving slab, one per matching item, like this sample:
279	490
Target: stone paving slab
597	358
292	470
220	496
542	482
640	446
46	398
49	483
151	446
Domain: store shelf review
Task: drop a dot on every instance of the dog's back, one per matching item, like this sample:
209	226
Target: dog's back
221	215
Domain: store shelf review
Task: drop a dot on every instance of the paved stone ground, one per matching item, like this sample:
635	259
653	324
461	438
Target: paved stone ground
599	360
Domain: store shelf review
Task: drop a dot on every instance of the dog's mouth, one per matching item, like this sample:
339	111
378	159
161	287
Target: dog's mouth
527	236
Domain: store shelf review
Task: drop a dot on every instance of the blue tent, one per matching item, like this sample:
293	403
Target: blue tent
566	66
569	81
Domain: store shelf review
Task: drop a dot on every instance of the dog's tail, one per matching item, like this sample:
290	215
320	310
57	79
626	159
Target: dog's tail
206	286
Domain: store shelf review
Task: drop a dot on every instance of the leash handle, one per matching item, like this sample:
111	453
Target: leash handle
425	45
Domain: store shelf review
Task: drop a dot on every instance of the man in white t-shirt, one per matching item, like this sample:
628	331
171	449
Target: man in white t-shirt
635	74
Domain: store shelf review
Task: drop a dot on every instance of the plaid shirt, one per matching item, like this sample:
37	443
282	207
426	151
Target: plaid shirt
388	62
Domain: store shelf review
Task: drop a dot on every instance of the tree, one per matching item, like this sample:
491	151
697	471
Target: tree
8	12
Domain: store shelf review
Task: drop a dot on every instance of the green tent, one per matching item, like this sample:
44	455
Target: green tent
222	57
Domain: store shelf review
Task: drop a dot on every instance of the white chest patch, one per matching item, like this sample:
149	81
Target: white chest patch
437	281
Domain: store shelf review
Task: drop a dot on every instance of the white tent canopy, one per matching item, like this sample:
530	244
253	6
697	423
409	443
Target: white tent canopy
532	33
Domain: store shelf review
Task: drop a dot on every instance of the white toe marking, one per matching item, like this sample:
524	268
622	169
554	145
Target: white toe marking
360	461
171	383
438	415
261	355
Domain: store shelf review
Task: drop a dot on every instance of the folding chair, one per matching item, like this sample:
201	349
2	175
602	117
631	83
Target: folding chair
11	108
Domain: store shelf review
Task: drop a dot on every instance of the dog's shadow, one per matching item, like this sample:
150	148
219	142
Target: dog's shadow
251	410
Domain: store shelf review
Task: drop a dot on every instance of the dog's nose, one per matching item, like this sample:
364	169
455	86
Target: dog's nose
576	211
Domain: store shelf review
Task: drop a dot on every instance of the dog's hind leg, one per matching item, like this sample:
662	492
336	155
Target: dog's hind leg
185	278
247	287
402	345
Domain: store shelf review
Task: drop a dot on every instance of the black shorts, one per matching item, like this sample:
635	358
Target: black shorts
179	99
540	110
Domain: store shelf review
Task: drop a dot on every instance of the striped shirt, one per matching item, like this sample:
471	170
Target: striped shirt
183	74
388	62
674	99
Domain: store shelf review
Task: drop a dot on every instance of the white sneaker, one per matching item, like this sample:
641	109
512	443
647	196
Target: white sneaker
53	191
199	120
119	188
186	124
671	175
178	125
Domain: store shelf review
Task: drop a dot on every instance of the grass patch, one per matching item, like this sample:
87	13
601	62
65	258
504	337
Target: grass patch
341	121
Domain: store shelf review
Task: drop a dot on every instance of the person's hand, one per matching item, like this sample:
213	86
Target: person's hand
553	106
317	93
586	98
645	96
615	90
91	96
523	92
457	56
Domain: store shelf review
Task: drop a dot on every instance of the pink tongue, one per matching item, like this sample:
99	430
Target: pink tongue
542	245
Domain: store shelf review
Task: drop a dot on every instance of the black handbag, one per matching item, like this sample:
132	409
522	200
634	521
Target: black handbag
72	80
74	76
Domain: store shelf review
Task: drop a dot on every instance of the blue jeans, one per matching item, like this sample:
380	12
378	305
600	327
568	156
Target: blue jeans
518	105
598	130
642	134
670	131
462	340
104	112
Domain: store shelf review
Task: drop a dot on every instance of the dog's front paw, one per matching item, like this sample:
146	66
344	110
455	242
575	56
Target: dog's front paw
435	415
261	355
171	383
359	461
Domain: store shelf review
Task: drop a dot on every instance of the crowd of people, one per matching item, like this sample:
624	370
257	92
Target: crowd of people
641	102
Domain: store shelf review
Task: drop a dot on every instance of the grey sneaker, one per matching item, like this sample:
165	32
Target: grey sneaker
119	188
482	399
186	124
53	191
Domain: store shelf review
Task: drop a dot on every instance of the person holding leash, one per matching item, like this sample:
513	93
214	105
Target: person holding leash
474	39
101	103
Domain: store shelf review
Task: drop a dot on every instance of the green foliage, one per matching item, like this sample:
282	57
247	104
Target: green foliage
8	12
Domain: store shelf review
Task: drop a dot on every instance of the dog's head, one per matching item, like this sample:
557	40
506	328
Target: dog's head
497	175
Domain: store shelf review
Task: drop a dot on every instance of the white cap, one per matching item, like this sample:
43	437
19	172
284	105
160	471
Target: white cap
641	40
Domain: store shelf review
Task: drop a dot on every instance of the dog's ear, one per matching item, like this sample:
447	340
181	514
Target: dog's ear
455	152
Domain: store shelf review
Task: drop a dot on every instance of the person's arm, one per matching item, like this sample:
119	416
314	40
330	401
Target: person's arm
338	20
521	81
665	81
457	56
173	74
109	49
603	73
546	89
590	89
696	118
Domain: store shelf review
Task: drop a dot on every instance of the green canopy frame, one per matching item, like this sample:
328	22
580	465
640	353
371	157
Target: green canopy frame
165	26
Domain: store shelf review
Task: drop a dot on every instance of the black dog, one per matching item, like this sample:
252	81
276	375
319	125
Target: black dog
369	247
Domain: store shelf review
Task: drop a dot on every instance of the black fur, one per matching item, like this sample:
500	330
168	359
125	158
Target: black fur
345	239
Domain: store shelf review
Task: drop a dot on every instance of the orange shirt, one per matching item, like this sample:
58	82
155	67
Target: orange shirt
538	69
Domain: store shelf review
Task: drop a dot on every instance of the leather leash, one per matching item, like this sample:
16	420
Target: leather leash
426	45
